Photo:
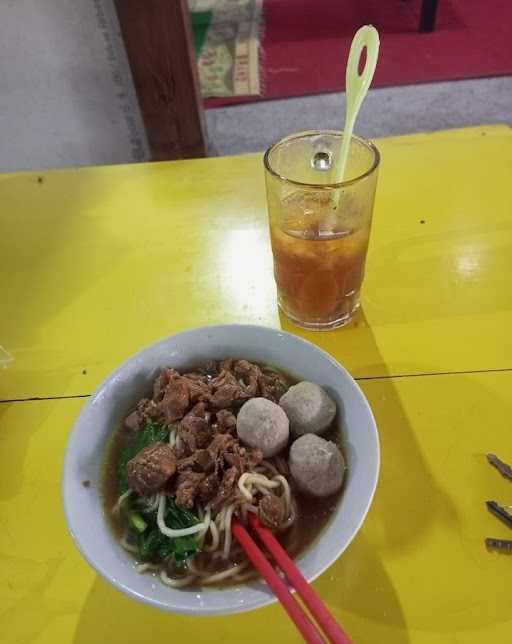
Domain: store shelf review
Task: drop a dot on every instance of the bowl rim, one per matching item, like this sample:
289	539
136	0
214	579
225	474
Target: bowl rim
206	611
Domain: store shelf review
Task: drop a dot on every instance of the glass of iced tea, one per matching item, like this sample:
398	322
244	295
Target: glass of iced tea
319	228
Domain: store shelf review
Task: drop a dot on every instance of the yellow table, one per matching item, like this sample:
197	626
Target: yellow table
97	262
102	261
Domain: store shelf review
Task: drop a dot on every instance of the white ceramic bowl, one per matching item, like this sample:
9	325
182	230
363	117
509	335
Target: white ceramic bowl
118	393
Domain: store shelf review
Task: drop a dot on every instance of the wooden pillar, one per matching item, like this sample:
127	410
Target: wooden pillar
158	41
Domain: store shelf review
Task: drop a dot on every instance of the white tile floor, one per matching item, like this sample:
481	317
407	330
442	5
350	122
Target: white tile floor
66	97
395	110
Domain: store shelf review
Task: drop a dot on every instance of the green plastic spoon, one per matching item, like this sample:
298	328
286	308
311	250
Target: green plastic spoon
356	86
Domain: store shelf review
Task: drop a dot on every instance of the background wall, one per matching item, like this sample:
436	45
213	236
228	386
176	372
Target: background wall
66	97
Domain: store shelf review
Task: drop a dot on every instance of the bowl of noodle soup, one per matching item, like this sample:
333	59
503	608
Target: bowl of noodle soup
184	560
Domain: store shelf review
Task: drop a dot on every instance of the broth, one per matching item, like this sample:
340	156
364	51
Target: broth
313	513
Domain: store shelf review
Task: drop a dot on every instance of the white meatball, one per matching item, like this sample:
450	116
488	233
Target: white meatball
261	423
316	465
309	408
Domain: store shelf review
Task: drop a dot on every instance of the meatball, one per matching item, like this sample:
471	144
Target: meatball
272	511
150	470
263	424
226	421
309	408
316	465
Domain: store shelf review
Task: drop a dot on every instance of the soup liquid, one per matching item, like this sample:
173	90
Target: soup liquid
319	259
313	513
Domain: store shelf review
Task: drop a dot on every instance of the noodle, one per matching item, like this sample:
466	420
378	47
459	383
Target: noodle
261	489
117	507
291	518
261	479
211	553
194	570
242	488
176	583
287	491
246	576
144	567
230	572
215	538
260	482
212	530
128	546
220	518
150	503
205	517
227	530
169	532
210	578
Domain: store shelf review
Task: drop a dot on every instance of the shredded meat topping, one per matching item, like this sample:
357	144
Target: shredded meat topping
201	407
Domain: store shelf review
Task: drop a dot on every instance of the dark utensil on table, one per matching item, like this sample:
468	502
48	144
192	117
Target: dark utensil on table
500	512
503	468
502	545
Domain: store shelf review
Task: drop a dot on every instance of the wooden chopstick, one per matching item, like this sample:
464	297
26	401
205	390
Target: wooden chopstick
259	561
316	606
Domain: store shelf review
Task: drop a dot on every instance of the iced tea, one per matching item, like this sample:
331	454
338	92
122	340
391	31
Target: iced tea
318	270
319	234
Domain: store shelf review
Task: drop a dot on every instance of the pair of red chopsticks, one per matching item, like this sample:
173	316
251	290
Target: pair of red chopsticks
318	610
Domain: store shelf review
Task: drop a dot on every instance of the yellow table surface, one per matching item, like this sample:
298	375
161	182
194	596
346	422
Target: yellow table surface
97	262
418	572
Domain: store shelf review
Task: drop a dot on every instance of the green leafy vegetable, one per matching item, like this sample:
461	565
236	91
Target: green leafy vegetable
176	517
154	545
152	433
137	522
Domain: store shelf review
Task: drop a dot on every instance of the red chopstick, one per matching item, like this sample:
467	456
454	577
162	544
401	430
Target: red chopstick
299	617
316	606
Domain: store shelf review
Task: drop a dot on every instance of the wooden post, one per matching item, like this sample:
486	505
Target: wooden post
158	41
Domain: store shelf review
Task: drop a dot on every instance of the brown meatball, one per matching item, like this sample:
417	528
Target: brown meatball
146	411
150	470
309	408
317	465
195	433
208	488
272	511
226	421
263	424
272	386
176	400
248	373
226	396
227	487
164	378
198	390
189	484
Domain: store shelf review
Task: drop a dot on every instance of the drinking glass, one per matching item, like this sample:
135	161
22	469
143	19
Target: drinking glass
319	227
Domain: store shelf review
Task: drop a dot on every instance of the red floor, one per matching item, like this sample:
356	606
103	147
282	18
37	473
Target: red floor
306	43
